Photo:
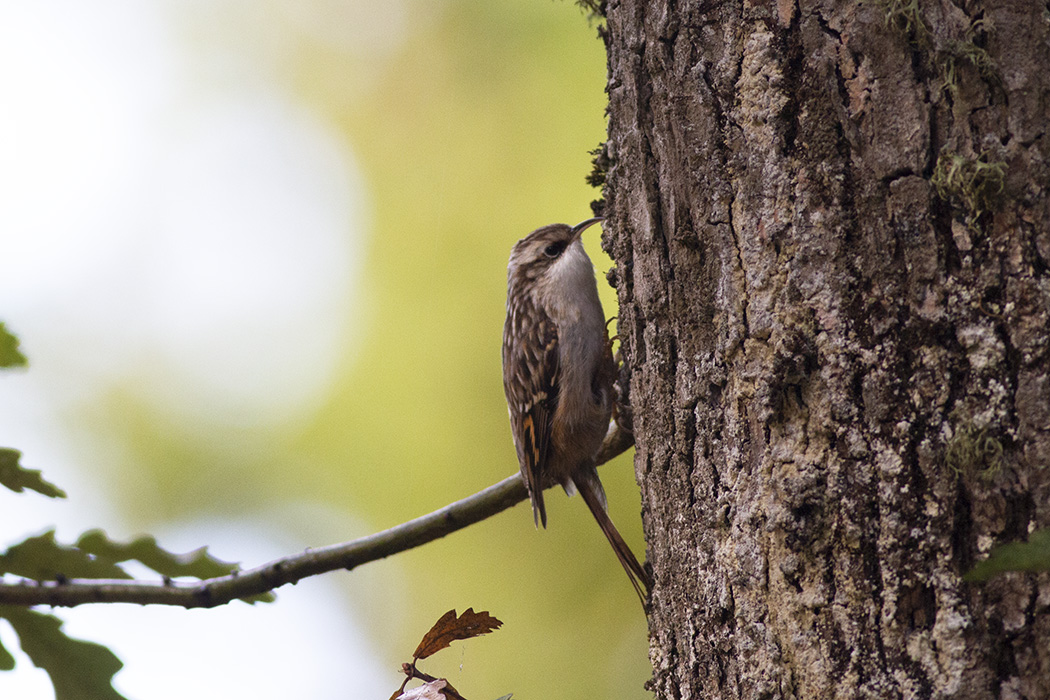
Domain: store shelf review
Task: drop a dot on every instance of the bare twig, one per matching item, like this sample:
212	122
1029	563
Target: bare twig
251	582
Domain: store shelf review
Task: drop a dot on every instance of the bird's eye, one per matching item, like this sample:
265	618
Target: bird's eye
554	249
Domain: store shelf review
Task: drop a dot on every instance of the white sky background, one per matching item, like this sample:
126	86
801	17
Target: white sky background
178	213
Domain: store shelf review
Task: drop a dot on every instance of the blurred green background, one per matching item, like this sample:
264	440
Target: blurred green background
470	122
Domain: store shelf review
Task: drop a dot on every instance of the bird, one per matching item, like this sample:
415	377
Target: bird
558	376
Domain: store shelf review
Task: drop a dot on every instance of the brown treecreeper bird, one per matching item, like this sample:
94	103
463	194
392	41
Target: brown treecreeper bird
558	374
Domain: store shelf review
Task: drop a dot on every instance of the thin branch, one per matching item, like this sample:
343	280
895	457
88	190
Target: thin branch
220	590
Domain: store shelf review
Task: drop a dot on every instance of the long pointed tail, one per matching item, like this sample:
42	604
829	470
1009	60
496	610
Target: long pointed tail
590	490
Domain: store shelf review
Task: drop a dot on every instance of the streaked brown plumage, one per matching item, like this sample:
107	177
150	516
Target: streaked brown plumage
558	374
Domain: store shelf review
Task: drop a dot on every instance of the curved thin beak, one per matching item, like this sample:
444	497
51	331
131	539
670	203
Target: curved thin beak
584	225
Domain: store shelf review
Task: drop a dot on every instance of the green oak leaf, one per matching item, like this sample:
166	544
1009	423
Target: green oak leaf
79	670
1033	555
42	559
7	662
10	355
17	478
267	597
198	563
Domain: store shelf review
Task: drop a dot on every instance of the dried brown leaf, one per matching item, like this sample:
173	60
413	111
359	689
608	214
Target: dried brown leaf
450	628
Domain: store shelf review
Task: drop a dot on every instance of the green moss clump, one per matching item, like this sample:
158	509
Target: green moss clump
973	451
906	18
600	163
957	52
595	9
975	185
599	166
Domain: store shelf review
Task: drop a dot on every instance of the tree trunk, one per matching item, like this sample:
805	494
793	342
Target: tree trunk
832	233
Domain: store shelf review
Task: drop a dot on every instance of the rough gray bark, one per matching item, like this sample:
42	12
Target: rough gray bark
832	232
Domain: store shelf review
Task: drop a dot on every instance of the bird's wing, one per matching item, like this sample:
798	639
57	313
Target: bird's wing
531	384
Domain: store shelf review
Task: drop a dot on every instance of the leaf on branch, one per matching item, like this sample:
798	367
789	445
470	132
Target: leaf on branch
42	559
1033	555
79	670
10	355
198	563
267	597
450	628
7	662
428	691
17	478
